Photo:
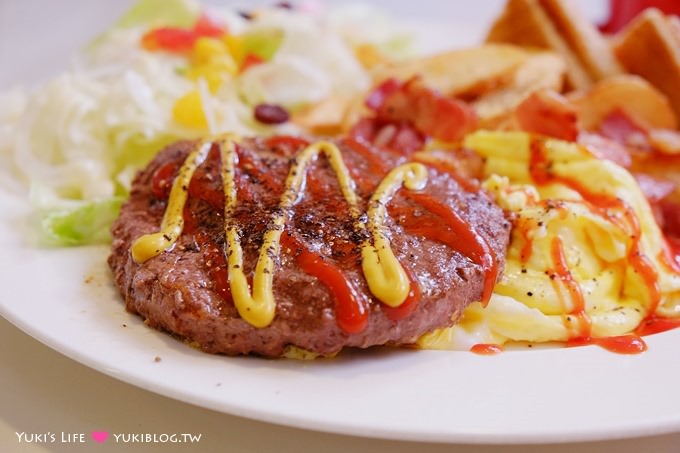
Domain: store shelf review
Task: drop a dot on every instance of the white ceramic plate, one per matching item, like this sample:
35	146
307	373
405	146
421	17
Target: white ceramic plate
65	298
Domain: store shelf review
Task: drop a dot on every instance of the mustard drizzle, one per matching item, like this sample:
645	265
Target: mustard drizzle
385	276
151	245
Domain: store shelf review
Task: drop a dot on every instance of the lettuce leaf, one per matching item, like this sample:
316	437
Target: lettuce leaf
167	13
153	13
85	224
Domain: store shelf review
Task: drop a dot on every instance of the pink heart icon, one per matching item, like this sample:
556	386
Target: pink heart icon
100	436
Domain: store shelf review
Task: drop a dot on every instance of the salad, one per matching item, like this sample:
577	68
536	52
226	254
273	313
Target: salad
171	70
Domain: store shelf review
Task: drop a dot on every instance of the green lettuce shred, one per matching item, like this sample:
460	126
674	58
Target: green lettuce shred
88	223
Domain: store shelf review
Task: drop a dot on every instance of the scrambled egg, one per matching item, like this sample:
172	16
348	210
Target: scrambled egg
529	302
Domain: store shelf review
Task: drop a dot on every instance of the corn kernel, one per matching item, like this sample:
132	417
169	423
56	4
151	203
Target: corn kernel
206	49
214	81
236	47
369	56
215	72
224	63
188	111
213	77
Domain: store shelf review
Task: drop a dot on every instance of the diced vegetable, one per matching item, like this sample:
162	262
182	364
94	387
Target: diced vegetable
188	111
169	13
181	40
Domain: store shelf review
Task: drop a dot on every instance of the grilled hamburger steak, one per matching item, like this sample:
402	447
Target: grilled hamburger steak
450	243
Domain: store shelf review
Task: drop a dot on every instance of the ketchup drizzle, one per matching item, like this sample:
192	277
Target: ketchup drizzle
351	310
460	236
487	349
656	324
621	344
409	305
540	170
564	275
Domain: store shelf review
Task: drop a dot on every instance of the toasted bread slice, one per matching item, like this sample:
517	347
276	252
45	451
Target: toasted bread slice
591	48
650	47
559	26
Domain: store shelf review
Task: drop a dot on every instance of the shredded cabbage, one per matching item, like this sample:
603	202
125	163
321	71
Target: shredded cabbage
83	135
78	140
312	63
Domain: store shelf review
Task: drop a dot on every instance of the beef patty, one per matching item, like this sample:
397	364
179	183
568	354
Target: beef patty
449	241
